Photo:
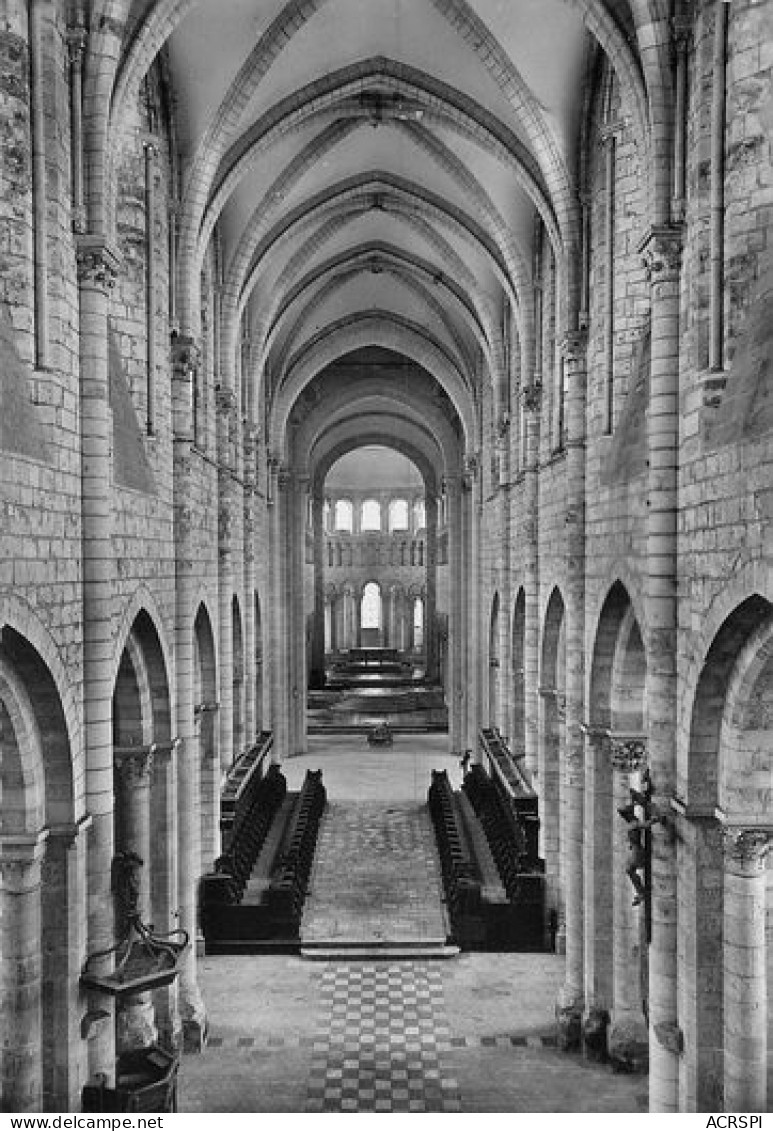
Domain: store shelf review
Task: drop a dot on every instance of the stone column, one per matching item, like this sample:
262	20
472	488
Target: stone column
745	975
598	879
570	1004
550	813
135	1019
97	268
317	677
277	649
76	43
296	608
628	1038
455	621
661	249
164	908
185	359
532	403
21	1012
430	610
251	707
226	411
473	653
64	929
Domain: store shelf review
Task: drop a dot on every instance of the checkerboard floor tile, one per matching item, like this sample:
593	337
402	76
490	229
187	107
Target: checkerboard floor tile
381	1040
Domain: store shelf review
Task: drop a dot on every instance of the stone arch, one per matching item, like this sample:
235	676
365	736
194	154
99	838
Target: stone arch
205	678
37	953
370	329
615	765
144	809
726	791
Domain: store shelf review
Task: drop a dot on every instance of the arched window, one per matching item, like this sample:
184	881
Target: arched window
371	606
419	515
418	623
398	514
371	515
344	515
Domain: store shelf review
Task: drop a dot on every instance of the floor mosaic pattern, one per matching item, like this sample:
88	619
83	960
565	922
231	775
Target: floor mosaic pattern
382	1036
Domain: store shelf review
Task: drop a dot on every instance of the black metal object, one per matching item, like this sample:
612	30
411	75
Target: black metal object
142	959
146	1080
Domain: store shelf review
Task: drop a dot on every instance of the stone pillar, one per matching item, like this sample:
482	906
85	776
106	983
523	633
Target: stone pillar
226	411
97	268
532	403
456	640
550	814
598	879
474	655
21	1010
76	43
296	608
430	609
251	707
277	649
661	249
64	929
628	1038
135	1020
185	359
164	909
745	975
570	1003
317	676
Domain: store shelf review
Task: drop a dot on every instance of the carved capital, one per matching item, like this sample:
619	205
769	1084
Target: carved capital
628	753
574	346
77	37
98	264
225	401
185	356
532	397
133	764
21	855
661	252
746	849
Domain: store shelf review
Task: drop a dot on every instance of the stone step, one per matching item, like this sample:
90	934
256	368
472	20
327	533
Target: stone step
369	951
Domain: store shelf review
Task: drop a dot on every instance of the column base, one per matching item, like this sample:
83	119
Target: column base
628	1043
194	1019
595	1034
568	1020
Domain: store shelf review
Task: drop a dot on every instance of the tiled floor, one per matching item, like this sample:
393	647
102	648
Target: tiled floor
467	1034
383	1032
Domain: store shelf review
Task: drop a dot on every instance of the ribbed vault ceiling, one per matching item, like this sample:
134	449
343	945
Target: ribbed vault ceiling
382	164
